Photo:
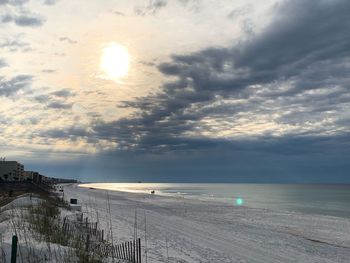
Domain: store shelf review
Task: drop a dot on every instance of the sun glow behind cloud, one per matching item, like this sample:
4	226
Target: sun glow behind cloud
135	78
114	61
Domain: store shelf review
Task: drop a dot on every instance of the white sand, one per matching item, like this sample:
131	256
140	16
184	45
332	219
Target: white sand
30	249
198	231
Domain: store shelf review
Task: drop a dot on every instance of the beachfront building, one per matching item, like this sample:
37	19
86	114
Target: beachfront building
11	171
33	176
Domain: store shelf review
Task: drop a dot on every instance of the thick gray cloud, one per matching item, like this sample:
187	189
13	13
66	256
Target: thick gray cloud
29	20
13	85
306	46
72	133
24	19
296	68
288	159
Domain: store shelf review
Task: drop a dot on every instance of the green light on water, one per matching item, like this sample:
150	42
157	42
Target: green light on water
239	201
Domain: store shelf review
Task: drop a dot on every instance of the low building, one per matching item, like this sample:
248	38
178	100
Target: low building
11	171
33	176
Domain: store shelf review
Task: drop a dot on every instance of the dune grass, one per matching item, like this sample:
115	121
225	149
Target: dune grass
41	223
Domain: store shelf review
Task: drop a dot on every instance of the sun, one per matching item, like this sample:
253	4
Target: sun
114	61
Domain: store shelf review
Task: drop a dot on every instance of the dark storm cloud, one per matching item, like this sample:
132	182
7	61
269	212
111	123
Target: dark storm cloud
296	68
265	160
151	8
68	40
305	48
306	44
15	84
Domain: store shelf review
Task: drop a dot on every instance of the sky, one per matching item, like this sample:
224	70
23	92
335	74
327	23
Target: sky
192	91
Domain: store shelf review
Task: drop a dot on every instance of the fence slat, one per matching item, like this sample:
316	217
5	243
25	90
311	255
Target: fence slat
93	237
87	242
134	251
130	251
139	249
128	258
130	242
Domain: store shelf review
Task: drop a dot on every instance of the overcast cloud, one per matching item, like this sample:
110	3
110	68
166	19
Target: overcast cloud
272	99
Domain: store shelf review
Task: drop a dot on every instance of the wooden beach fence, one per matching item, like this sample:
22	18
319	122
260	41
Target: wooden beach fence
130	251
94	240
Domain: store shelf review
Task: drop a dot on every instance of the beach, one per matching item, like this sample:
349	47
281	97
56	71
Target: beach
180	229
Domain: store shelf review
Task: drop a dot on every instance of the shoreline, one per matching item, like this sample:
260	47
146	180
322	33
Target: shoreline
246	193
188	230
198	231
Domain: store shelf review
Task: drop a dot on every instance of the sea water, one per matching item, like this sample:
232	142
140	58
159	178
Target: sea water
326	199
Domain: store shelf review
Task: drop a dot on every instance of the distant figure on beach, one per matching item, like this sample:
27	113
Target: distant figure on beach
153	192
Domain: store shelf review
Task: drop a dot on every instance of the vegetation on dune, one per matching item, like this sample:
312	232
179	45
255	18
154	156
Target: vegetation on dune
43	222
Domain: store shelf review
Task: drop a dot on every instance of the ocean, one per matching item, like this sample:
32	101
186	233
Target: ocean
326	199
